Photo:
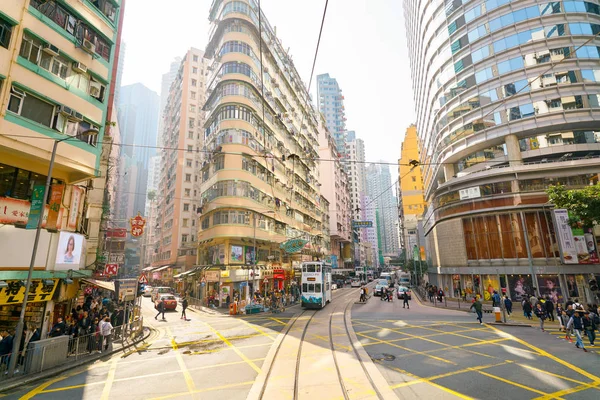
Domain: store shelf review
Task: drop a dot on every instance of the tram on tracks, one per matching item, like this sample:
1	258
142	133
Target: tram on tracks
316	284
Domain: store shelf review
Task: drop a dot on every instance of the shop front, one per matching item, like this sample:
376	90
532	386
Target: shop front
210	287
278	278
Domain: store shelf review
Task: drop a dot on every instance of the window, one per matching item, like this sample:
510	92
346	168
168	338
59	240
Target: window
186	207
191	123
195	58
106	7
190	148
31	107
185	222
188	163
5	33
194	82
205	222
184	238
219	163
190	136
188	177
194	70
193	95
187	192
192	108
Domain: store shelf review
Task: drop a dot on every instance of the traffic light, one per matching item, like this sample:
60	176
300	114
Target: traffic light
140	289
593	285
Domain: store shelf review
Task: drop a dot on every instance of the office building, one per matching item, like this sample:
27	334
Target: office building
178	196
381	193
331	105
56	67
507	103
259	177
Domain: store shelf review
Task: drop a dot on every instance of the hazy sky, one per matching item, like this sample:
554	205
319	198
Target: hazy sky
363	46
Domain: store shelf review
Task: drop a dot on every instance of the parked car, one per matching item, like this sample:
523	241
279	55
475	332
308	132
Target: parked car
157	291
148	291
381	284
404	291
170	301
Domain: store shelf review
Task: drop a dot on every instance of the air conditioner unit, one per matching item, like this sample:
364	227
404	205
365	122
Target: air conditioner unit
88	46
95	89
79	67
51	49
76	116
64	110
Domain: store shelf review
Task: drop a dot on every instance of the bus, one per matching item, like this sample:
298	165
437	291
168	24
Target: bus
316	284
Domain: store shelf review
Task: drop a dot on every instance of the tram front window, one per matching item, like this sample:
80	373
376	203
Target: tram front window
310	268
318	287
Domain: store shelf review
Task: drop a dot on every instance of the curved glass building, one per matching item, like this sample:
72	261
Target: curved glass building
507	98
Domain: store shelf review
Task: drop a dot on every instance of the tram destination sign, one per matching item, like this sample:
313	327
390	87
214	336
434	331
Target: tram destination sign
362	224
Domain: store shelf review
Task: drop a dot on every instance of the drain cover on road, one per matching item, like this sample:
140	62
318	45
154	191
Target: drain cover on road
383	357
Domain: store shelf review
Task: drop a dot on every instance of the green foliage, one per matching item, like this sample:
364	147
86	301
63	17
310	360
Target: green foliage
583	204
151	195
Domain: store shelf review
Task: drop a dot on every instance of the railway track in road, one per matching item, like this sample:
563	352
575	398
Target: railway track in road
301	361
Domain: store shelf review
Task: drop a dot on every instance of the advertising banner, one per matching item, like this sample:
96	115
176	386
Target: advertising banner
56	196
249	252
76	200
71	248
549	285
520	286
37	206
237	254
38	291
568	251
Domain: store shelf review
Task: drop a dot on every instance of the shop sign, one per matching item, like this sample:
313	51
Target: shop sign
126	289
293	245
56	196
362	224
114	258
37	205
15	292
76	200
469	193
117	233
279	274
566	240
225	274
137	224
14	211
111	269
586	248
212	276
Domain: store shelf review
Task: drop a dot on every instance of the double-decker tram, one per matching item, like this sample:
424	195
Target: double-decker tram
316	284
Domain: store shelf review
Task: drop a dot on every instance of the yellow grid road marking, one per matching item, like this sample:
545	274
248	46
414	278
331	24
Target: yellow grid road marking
232	385
514	383
419	380
555	375
569	391
189	381
234	348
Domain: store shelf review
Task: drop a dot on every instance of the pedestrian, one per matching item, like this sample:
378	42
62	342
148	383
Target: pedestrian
405	303
577	323
478	309
549	305
533	300
362	294
540	312
184	305
160	306
495	299
590	327
527	308
106	329
59	328
508	305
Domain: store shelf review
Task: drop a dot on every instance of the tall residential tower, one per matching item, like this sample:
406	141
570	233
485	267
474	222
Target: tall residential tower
331	105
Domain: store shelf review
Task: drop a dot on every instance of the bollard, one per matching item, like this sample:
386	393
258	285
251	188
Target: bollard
498	314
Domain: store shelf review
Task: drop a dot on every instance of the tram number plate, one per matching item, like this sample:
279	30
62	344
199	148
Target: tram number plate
311	279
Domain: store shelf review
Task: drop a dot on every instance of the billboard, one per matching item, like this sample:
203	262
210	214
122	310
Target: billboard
71	251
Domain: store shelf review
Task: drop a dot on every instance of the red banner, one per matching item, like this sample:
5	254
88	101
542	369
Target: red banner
56	196
137	225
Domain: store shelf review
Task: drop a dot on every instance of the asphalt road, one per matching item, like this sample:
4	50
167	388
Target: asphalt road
427	353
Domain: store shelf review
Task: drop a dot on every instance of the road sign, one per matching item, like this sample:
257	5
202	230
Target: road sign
266	281
143	279
362	224
111	269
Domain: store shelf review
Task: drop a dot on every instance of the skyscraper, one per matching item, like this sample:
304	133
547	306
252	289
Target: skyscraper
380	191
507	103
331	105
357	188
259	175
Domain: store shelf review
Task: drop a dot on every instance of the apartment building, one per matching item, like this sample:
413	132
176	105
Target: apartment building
56	67
382	199
178	196
259	177
507	102
357	186
331	105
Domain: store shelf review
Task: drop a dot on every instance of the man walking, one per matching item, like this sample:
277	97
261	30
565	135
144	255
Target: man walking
590	327
541	314
478	309
549	305
184	305
496	299
362	294
508	304
577	323
405	303
161	309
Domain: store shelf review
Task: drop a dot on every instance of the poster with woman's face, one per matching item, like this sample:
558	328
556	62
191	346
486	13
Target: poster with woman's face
71	246
520	286
549	286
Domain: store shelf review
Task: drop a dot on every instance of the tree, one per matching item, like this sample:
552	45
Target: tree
583	204
151	195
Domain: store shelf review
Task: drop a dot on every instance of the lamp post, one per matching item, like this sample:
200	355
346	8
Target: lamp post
21	323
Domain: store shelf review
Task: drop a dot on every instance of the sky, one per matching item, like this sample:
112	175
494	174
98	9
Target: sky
363	46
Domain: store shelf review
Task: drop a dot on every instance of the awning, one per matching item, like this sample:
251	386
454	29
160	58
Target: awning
101	284
183	274
161	268
148	268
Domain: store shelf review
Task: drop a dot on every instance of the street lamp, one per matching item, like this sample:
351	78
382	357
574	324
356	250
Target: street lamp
21	323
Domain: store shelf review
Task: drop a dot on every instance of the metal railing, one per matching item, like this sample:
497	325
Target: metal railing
45	354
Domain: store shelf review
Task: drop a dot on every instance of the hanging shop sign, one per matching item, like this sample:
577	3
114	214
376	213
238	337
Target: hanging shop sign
76	201
212	276
362	224
111	269
293	245
37	207
38	291
470	193
56	196
126	289
568	252
137	225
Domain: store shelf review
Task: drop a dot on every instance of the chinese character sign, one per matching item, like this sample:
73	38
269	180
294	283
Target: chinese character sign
565	237
54	207
15	292
137	225
36	210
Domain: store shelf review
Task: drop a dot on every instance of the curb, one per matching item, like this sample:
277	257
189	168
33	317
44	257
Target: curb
26	380
380	385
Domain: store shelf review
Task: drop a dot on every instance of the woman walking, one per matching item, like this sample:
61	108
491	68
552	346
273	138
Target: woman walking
184	305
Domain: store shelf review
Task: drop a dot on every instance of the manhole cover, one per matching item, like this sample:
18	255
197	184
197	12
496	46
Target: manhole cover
389	357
